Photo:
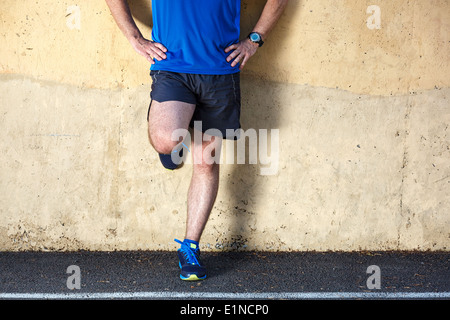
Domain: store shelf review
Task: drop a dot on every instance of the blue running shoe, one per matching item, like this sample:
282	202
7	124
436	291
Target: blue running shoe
191	267
167	162
174	160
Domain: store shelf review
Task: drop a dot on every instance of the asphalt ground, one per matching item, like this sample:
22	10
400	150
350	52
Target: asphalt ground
239	277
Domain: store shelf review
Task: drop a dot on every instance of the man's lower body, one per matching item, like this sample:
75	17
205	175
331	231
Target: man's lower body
177	101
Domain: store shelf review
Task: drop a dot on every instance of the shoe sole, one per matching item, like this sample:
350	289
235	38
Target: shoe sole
192	277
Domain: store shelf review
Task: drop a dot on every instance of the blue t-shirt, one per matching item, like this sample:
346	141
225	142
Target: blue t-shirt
196	33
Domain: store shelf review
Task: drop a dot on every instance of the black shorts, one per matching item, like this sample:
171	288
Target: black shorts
217	98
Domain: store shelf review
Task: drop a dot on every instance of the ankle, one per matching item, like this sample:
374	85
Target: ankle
190	241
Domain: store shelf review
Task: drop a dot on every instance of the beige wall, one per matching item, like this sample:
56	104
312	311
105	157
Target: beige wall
363	118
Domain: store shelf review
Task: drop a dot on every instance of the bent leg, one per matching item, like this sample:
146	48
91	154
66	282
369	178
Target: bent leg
164	118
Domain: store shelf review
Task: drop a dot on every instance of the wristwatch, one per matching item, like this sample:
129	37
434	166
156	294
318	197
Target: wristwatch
256	38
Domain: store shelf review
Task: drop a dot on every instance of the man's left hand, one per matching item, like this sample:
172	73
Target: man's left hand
241	52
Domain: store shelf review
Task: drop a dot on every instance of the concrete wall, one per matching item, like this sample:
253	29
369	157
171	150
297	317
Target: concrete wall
362	112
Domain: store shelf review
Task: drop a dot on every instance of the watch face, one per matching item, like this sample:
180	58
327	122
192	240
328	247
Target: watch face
254	37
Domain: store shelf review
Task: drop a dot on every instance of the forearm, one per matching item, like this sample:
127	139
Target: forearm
269	17
122	15
242	51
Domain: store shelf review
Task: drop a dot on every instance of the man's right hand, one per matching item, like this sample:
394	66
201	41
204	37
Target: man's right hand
149	49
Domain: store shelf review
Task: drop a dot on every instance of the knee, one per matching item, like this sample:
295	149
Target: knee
164	148
162	145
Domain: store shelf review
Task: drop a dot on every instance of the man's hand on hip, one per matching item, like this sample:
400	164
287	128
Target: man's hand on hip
149	49
241	52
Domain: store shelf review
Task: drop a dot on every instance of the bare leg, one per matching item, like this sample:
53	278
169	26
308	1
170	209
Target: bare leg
203	188
164	118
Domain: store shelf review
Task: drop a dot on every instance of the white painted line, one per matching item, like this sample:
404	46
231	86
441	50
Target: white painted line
227	295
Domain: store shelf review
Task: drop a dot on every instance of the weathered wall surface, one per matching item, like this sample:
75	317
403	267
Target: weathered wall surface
362	113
